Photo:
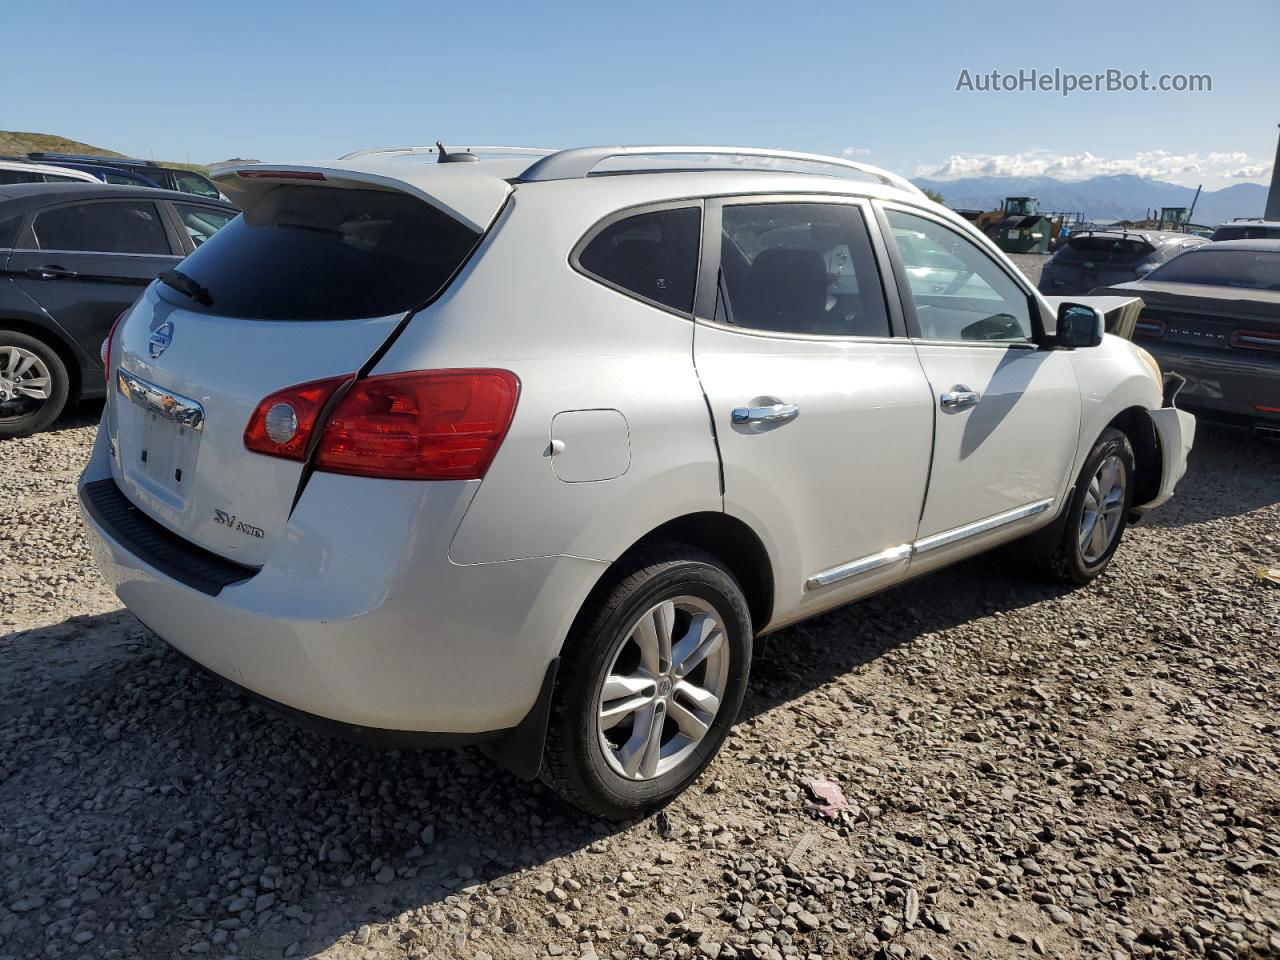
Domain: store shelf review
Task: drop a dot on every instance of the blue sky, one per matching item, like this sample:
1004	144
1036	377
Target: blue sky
306	81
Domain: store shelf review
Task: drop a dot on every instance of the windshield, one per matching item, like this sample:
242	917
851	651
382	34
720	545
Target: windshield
1104	249
1249	269
321	253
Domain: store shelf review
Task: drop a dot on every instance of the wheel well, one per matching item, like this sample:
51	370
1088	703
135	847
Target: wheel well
736	546
54	343
1137	426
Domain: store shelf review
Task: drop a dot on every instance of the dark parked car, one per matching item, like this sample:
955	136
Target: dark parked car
1093	258
1249	229
73	257
170	178
1213	316
107	174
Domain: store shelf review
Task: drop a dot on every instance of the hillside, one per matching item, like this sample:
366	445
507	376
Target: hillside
1103	198
15	143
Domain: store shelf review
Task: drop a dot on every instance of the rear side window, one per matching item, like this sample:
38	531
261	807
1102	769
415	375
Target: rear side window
194	183
653	255
110	226
1105	250
19	176
800	268
322	253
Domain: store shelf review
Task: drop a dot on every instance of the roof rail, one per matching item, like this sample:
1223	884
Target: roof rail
375	151
580	161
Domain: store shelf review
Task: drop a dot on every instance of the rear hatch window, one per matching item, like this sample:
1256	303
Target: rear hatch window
1104	250
319	253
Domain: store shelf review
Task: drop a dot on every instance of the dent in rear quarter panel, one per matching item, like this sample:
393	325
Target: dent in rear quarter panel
575	345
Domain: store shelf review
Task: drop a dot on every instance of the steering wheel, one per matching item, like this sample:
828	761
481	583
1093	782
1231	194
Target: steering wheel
961	278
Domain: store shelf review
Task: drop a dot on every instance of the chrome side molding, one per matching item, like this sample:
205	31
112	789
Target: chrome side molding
857	567
864	565
947	537
163	403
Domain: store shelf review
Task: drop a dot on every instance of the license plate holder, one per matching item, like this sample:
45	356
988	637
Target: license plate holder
159	439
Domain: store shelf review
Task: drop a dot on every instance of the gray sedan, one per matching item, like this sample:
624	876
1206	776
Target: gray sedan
1213	316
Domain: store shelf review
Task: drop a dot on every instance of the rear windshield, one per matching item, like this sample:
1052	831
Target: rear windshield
1250	269
321	253
1254	232
1105	249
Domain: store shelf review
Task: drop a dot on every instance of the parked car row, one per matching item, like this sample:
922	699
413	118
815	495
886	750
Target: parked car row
1212	308
121	171
503	451
73	257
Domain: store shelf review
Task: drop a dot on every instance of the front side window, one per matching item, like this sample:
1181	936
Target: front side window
110	226
800	268
653	255
959	292
201	223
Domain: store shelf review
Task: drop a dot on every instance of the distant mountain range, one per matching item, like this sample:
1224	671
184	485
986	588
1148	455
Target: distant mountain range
1121	197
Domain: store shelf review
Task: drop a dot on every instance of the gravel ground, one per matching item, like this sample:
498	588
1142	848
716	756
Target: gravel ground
1028	772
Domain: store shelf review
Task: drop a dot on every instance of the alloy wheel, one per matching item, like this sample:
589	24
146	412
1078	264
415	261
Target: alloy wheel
663	688
25	382
1103	506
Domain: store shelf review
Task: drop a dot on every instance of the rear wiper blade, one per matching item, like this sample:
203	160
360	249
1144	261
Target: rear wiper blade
186	286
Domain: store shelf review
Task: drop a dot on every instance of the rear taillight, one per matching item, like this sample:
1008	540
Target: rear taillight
1147	327
1255	340
431	425
104	352
280	174
284	422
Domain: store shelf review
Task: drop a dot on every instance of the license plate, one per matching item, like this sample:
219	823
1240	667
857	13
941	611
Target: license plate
159	438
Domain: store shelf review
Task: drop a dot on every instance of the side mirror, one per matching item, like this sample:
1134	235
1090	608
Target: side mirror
1079	326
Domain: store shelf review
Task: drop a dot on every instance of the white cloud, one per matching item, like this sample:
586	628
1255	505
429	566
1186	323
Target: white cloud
1158	164
850	153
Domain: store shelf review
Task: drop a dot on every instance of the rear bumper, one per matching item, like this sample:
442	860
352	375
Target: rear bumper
360	618
1176	430
1224	386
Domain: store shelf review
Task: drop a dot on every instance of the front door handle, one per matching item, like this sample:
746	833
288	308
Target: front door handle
959	397
773	413
51	272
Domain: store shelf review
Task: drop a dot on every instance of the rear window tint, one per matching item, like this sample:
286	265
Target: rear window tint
319	253
652	255
1105	249
9	230
1249	269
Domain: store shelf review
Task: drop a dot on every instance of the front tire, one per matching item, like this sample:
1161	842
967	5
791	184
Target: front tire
1096	516
34	386
651	680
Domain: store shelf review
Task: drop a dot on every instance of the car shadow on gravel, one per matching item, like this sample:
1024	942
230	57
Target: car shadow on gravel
175	804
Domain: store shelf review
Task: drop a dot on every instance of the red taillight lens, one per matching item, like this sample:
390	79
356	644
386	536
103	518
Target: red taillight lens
1255	340
283	423
1147	327
105	351
280	174
433	425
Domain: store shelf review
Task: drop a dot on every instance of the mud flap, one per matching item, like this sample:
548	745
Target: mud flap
521	751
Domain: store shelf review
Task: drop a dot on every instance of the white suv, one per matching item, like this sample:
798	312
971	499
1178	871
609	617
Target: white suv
527	448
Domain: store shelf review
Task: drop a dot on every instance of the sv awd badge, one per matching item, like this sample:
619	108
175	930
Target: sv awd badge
229	520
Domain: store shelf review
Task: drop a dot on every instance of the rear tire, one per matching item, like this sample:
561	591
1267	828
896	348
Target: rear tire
1096	516
34	385
623	748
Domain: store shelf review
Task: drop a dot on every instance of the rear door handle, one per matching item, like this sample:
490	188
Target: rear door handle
959	397
774	413
51	272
